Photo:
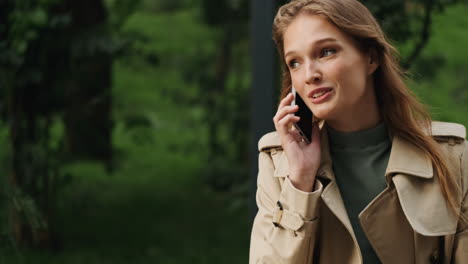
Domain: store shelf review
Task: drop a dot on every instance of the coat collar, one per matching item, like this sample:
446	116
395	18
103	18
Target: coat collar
406	158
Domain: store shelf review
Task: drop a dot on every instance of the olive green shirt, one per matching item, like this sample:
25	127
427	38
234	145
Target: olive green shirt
359	162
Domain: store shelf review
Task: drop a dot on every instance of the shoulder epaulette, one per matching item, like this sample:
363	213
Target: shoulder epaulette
269	141
448	130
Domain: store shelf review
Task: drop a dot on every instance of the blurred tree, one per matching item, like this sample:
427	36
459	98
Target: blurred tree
408	22
87	110
55	64
25	75
227	109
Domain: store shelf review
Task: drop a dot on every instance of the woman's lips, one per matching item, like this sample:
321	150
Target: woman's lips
320	95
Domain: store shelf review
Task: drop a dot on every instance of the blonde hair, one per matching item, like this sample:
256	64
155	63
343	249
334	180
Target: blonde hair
401	111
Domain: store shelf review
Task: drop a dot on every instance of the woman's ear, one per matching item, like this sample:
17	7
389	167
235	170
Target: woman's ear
373	61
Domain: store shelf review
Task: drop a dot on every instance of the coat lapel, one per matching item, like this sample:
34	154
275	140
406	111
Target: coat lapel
421	199
405	158
412	203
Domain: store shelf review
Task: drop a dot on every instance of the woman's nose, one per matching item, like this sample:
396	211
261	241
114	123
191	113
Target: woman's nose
313	73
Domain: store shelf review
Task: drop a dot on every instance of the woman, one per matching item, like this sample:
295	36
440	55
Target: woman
380	182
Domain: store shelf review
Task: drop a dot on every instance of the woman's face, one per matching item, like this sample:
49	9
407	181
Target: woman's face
328	70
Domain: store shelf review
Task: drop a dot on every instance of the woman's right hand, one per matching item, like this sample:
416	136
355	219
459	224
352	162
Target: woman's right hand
303	158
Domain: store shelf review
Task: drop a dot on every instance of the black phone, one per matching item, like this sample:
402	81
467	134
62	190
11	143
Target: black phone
304	125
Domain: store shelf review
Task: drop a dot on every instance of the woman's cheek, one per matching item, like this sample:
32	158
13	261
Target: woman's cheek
346	73
335	70
297	79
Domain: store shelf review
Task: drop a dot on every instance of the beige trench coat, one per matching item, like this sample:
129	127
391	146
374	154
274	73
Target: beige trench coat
408	222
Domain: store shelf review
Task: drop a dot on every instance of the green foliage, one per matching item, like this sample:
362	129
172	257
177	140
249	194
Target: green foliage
157	96
220	13
32	174
26	19
439	75
408	23
120	10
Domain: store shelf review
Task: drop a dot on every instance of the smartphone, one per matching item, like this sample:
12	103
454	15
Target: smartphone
304	125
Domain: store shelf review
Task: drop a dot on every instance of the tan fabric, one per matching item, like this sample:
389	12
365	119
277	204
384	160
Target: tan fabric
409	222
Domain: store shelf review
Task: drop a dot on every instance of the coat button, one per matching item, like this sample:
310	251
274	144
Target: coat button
451	142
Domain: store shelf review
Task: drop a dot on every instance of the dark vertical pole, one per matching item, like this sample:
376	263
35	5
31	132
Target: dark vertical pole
263	82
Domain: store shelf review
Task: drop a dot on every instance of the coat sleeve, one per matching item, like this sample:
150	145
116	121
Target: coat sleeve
461	237
285	227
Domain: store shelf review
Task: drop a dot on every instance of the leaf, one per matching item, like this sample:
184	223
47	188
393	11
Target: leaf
38	17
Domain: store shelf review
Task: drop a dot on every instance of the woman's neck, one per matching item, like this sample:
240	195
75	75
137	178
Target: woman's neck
353	125
365	116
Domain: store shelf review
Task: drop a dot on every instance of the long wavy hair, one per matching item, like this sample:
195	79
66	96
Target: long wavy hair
401	111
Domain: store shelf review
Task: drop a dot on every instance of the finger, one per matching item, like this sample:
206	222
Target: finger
286	100
292	127
292	136
295	135
285	110
288	110
285	123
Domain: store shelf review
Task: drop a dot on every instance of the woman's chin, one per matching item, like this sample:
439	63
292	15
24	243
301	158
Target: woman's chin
321	115
323	111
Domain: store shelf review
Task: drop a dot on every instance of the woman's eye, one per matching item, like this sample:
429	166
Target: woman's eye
293	64
327	52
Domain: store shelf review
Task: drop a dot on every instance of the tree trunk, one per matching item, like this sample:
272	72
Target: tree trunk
88	124
34	94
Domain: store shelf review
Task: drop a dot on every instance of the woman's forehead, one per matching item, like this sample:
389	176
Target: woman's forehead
310	30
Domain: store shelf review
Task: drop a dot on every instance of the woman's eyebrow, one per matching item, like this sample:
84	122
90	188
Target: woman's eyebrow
319	41
324	40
